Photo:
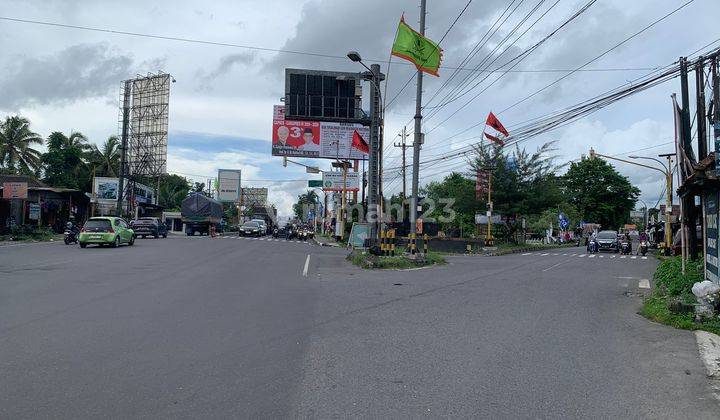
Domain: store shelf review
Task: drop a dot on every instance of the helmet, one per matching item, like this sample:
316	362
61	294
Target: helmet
69	225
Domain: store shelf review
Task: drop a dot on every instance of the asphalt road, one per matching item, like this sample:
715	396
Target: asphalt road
244	328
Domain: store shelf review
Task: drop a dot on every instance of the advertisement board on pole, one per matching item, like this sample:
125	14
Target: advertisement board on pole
229	185
15	190
710	201
34	211
333	181
106	188
314	139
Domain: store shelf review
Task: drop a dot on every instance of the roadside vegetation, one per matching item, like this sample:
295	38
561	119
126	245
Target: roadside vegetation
28	234
672	301
363	259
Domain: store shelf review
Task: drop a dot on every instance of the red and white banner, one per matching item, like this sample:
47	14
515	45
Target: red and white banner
498	130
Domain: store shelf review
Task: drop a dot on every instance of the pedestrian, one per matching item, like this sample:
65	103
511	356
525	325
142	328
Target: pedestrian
212	231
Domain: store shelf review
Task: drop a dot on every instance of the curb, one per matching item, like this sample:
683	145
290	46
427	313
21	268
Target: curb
709	349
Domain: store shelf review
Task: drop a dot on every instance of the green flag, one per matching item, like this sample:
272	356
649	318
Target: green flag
412	46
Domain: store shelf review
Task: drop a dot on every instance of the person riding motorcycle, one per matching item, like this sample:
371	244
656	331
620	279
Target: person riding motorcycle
643	238
626	238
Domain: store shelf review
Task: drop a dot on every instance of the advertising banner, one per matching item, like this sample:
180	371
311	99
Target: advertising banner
254	196
106	188
15	190
710	201
229	185
314	139
34	211
333	181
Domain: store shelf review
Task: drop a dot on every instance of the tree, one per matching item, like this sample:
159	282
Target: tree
305	201
16	140
461	191
64	161
173	190
198	187
599	192
106	161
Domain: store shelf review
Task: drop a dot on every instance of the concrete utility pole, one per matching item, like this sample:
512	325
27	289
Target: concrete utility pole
418	136
688	199
374	157
404	147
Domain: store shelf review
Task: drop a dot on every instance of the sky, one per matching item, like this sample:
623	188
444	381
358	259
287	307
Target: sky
66	79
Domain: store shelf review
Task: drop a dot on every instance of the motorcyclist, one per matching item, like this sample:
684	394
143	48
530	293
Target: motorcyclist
626	238
72	227
643	237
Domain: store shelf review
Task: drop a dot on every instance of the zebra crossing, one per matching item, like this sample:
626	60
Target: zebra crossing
588	256
265	239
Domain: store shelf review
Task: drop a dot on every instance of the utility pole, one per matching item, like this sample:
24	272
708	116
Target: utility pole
124	146
404	147
489	240
418	136
700	108
688	199
716	112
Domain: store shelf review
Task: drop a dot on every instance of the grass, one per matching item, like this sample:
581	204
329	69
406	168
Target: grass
672	286
398	262
656	309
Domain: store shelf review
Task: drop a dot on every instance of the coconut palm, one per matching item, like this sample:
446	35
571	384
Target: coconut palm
16	141
106	161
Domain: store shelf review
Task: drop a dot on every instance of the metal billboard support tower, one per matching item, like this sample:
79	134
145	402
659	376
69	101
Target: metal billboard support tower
144	131
418	136
373	163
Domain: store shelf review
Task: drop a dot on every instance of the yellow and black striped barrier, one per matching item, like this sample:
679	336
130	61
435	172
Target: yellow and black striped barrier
392	242
425	243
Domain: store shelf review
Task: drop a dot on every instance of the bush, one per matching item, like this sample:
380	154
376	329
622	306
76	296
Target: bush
669	278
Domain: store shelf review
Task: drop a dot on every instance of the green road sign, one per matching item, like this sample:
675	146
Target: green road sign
313	183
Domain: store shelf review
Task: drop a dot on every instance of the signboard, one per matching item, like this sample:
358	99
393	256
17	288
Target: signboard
710	202
481	219
229	185
716	132
358	234
106	188
333	181
34	210
481	184
15	190
315	183
637	214
314	139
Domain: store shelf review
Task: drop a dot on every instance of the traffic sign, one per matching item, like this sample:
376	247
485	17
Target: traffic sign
315	183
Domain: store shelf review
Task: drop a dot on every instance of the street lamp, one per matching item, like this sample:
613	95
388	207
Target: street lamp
375	77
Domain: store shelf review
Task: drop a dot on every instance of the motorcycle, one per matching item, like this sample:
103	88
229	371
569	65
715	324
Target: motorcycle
625	248
644	247
275	233
71	234
592	246
302	235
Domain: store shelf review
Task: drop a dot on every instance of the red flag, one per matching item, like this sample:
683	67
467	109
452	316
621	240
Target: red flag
493	122
359	143
497	140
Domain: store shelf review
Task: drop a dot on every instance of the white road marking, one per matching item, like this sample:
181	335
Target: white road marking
555	265
591	256
307	264
644	258
297	242
262	239
581	255
556	254
601	256
622	257
634	257
542	255
644	284
565	254
613	256
527	253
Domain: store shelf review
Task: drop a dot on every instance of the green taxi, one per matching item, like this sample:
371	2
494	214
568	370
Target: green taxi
111	231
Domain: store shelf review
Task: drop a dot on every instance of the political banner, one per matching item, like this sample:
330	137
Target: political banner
315	139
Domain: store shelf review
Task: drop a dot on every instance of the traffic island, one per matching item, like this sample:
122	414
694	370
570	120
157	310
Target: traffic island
364	259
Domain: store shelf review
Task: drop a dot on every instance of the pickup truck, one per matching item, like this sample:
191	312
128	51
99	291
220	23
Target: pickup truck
149	226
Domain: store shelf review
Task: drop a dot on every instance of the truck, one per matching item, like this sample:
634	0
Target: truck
199	212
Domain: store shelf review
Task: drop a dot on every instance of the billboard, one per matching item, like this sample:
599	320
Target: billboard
333	181
229	185
105	191
147	102
15	190
315	139
254	196
105	188
712	234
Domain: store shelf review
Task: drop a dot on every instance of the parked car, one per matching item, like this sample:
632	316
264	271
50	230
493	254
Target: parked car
263	225
149	226
250	229
608	241
111	231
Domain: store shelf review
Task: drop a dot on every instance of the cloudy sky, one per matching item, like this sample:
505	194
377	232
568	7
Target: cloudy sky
221	106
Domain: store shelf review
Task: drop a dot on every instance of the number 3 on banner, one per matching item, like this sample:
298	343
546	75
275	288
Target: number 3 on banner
296	132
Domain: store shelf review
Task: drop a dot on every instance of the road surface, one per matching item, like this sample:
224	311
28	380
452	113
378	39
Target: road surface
246	328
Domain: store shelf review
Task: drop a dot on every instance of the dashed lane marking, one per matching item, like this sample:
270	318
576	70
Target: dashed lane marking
644	284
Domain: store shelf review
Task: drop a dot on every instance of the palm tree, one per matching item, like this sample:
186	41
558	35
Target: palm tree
106	162
16	140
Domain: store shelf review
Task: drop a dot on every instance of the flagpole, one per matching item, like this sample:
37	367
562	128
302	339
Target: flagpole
417	137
